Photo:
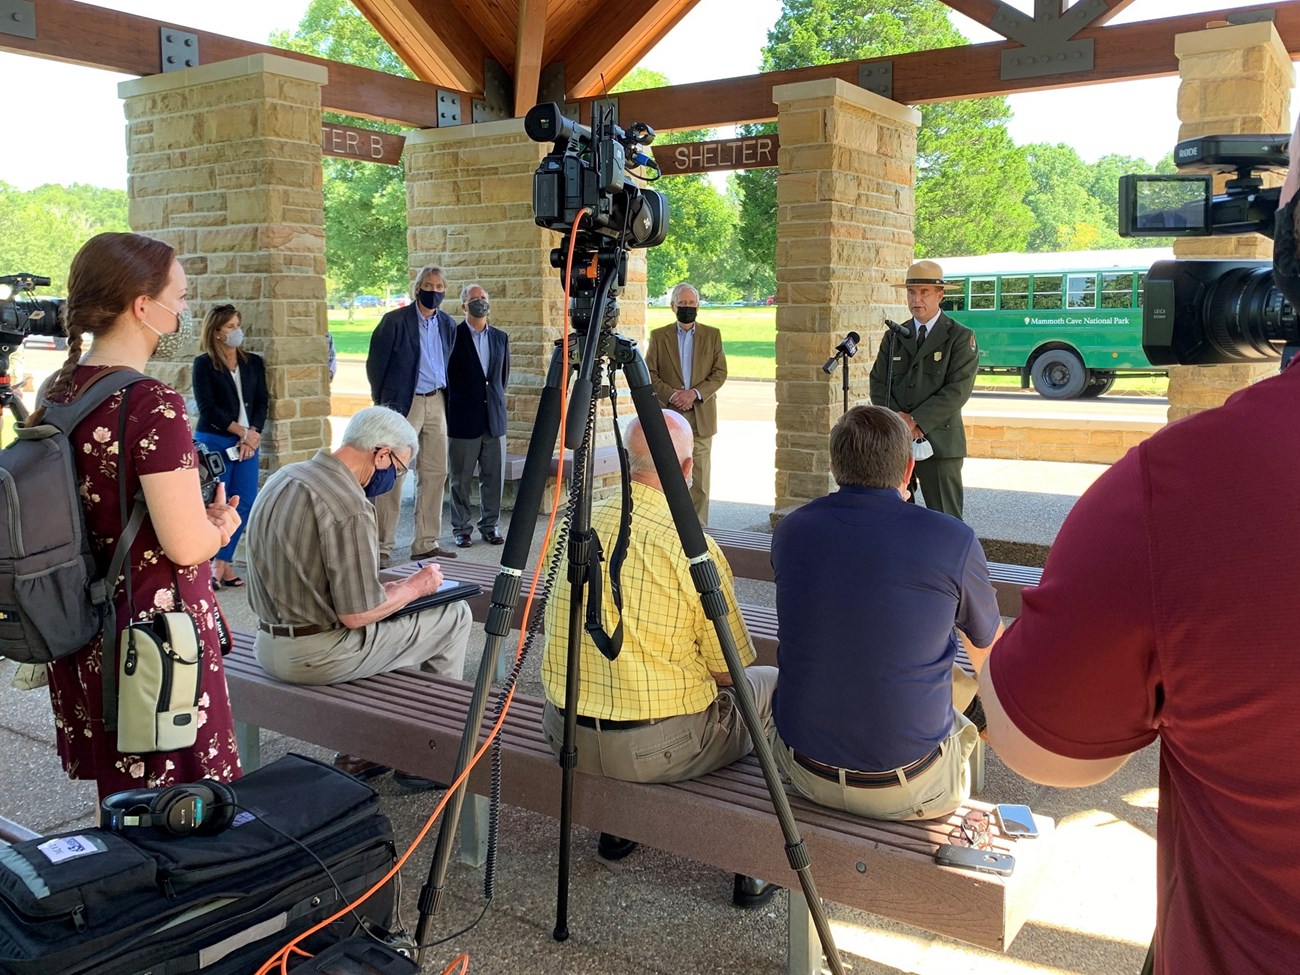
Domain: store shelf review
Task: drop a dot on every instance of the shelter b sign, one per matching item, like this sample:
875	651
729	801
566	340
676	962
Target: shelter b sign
754	152
365	144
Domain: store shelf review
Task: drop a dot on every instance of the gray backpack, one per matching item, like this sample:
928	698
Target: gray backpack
52	598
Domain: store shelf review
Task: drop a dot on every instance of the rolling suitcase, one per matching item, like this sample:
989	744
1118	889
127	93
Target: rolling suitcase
303	838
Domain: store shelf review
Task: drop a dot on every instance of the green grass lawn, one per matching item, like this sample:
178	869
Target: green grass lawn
748	334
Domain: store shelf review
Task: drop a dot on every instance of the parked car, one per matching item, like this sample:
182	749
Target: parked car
56	342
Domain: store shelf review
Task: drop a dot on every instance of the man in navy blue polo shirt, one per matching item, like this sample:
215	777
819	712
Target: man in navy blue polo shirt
868	708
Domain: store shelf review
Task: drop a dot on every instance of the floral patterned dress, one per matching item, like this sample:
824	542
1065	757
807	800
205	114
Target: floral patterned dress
158	433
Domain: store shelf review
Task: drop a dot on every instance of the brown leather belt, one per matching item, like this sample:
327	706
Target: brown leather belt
606	724
289	629
867	780
434	393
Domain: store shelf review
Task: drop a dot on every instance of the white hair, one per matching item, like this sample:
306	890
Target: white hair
378	426
464	292
422	273
677	292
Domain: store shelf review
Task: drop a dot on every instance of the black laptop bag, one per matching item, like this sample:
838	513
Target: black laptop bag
139	902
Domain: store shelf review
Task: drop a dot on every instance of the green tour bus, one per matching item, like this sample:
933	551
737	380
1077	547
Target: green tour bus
1067	322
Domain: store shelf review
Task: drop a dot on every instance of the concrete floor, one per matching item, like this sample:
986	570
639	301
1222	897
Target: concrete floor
656	913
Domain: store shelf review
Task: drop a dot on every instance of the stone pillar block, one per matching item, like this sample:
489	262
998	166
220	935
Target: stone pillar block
224	164
846	206
1233	80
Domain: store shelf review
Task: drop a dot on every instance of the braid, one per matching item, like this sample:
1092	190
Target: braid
62	381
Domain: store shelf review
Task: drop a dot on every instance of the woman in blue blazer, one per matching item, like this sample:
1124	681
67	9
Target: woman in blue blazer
230	390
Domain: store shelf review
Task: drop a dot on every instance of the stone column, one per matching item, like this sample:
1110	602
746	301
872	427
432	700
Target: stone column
1233	80
225	165
845	211
470	210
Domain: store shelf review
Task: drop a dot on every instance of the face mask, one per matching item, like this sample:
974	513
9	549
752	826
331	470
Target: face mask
381	482
235	338
170	343
478	307
1286	259
686	314
430	299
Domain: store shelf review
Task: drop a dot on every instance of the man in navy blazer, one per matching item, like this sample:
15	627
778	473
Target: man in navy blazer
477	372
407	369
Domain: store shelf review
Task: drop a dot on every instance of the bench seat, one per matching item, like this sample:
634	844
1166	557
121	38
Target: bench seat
414	721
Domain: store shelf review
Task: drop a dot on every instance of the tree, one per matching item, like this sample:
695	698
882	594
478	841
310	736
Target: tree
42	229
700	221
971	180
365	203
1067	215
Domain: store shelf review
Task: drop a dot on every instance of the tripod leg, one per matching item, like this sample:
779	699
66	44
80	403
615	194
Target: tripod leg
704	573
505	595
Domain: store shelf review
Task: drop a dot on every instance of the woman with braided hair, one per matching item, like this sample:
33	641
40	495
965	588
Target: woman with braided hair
127	293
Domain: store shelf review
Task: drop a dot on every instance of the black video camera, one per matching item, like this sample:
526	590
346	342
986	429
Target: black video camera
1211	312
21	316
211	468
587	169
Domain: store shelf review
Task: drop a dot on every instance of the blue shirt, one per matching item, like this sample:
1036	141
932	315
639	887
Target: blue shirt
686	352
868	588
481	345
433	357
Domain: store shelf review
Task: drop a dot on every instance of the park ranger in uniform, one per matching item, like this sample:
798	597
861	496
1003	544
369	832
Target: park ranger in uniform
933	375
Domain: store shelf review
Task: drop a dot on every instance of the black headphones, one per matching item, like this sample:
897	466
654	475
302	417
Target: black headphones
200	808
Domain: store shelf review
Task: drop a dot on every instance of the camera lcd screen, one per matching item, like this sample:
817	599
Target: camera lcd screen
1165	206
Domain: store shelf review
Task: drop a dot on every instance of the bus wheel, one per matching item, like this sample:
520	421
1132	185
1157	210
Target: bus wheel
1059	374
1099	384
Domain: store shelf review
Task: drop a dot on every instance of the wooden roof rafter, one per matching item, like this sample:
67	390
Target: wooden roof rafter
618	35
438	45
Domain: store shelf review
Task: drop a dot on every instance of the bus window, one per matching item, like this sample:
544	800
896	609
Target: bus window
1015	293
983	294
1117	289
1083	291
1047	291
954	299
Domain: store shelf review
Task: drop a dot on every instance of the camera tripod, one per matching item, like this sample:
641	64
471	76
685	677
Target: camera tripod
594	313
10	401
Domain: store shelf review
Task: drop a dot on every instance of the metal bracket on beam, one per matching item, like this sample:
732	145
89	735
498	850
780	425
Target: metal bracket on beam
1047	38
498	94
877	77
551	89
18	17
1268	16
179	49
448	108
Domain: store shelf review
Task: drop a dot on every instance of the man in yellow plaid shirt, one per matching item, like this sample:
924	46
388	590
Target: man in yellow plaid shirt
662	711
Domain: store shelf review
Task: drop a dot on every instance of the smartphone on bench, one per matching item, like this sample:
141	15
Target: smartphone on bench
972	858
1016	821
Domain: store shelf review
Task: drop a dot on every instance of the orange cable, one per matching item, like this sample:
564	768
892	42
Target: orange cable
282	955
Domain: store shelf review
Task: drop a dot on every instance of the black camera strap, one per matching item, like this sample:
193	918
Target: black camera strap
610	644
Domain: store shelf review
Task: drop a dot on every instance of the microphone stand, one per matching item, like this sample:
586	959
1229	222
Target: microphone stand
844	351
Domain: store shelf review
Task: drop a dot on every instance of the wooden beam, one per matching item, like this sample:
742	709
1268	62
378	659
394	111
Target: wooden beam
983	11
615	40
1122	53
439	47
83	33
528	54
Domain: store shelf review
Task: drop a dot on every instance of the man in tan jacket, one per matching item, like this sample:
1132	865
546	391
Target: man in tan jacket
687	367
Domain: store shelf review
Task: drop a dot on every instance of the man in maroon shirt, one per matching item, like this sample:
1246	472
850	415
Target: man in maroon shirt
1167	610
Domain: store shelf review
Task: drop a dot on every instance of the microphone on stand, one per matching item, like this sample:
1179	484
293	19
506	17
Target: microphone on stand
849	348
906	331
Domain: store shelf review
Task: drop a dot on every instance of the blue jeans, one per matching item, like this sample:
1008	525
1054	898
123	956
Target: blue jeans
240	480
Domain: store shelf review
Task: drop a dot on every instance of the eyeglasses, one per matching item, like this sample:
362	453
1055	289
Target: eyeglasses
401	468
973	830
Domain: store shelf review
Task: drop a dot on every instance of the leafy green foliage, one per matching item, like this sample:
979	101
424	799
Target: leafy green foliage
42	229
971	180
365	203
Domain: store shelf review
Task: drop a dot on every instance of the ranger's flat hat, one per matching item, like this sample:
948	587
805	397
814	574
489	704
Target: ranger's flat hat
923	273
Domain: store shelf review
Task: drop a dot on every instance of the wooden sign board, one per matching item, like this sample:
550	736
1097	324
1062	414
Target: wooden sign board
347	142
754	152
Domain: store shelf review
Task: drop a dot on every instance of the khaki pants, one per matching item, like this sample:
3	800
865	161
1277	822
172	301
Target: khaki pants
429	417
670	749
703	454
933	793
433	641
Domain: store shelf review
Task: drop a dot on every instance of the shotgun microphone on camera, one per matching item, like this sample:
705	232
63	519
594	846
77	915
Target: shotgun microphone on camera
849	348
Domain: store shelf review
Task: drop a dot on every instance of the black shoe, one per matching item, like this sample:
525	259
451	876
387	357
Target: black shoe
417	783
359	767
492	537
750	892
464	541
614	848
975	713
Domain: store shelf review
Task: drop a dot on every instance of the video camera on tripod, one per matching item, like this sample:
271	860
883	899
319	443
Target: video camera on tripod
21	316
1210	312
